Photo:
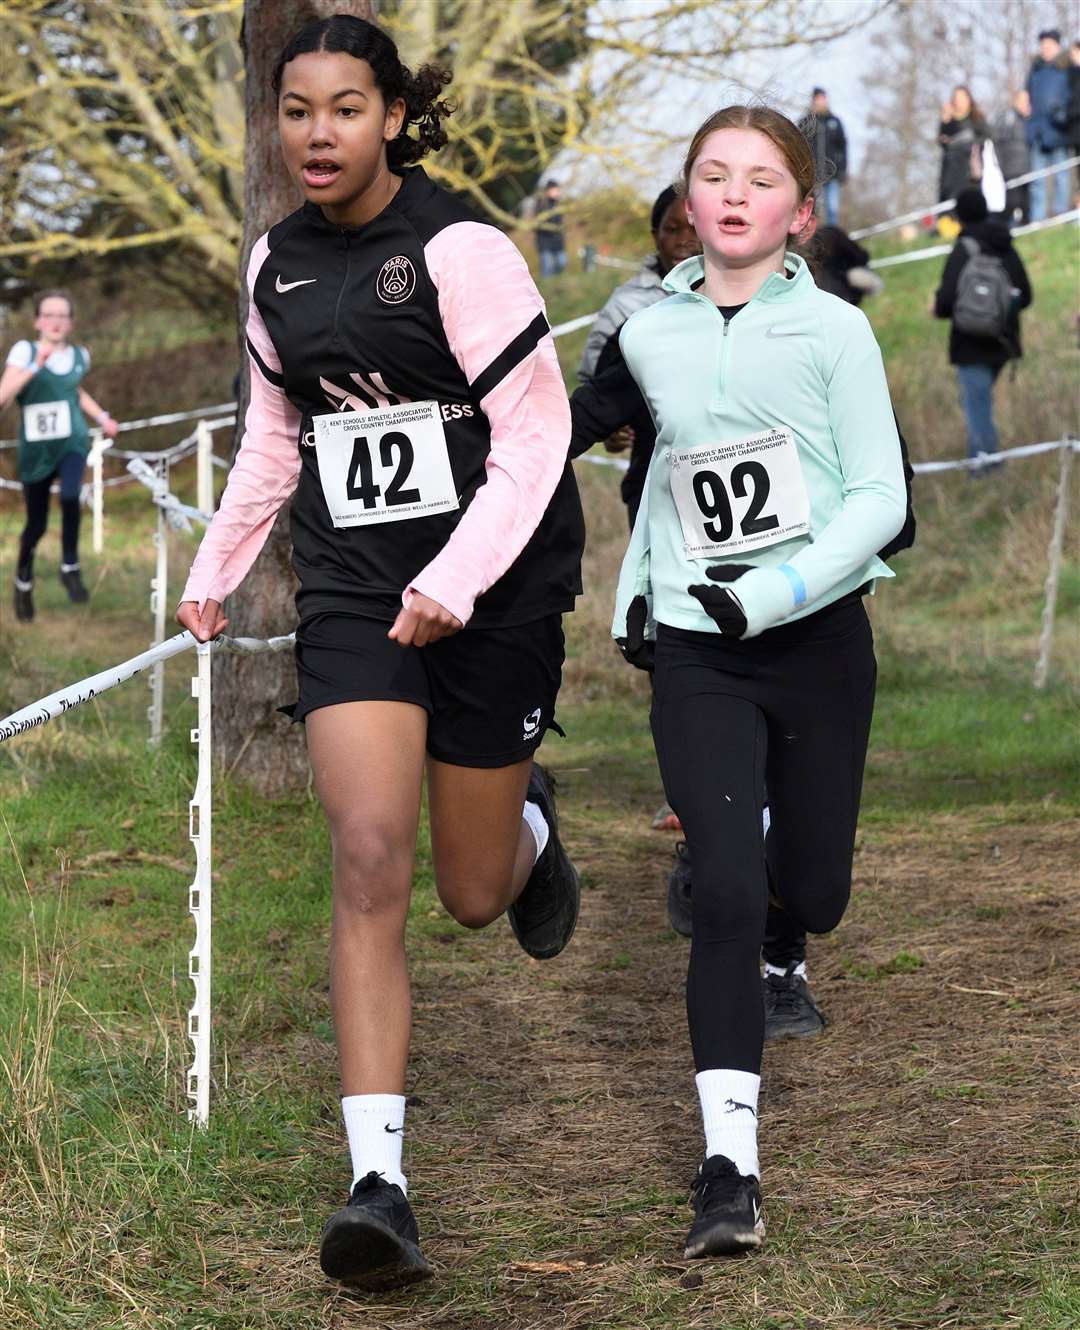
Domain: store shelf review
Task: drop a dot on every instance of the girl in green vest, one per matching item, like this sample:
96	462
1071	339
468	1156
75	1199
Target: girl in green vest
45	378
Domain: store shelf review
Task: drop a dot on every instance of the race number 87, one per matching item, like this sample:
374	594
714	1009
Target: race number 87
714	503
360	480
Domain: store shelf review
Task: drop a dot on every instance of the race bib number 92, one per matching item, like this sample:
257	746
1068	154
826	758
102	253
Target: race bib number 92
387	465
739	496
45	421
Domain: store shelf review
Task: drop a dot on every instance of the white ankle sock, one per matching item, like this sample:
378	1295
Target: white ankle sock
70	567
800	969
729	1114
537	824
375	1124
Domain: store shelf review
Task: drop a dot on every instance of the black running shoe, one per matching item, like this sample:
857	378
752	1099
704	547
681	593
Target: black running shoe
790	1009
373	1243
545	915
678	892
727	1210
74	585
24	601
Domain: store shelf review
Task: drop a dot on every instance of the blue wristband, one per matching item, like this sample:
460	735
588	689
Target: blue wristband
798	586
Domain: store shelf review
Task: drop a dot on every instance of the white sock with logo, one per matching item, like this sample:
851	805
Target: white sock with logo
729	1115
375	1124
537	824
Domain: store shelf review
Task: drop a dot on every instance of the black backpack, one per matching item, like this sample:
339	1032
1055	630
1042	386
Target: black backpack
984	294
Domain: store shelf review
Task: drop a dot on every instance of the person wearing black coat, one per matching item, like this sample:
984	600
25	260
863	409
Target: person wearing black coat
1009	133
828	142
961	134
979	360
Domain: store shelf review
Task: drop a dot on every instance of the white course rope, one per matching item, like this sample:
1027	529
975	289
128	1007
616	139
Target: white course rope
937	251
933	210
978	463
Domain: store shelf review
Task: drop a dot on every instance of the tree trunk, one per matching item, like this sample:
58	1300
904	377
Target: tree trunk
250	738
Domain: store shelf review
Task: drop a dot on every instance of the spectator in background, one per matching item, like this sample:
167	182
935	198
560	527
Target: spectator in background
828	142
1072	126
550	242
841	266
675	240
979	359
1048	87
1009	135
961	134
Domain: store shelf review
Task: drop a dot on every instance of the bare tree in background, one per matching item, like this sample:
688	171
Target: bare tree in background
250	737
921	51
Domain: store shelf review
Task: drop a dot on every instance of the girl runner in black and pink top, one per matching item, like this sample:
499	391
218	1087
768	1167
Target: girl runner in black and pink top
406	394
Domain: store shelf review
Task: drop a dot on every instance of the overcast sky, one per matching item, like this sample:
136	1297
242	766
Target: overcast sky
783	78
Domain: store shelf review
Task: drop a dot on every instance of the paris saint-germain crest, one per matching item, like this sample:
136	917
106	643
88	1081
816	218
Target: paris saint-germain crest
396	281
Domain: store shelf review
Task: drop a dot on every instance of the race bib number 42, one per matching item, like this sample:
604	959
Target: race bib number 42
45	421
738	496
389	465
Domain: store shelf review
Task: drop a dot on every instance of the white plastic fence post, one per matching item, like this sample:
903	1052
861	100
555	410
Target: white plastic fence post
199	901
204	464
1057	541
158	604
97	447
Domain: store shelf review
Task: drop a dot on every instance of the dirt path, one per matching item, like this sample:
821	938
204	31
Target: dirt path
914	1156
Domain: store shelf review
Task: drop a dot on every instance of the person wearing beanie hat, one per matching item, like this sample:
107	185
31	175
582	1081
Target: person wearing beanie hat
971	206
980	359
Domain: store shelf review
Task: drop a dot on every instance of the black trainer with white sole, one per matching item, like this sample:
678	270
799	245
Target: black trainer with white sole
24	601
545	915
373	1243
74	585
727	1210
790	1009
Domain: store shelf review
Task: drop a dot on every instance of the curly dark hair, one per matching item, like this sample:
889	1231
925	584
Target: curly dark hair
424	109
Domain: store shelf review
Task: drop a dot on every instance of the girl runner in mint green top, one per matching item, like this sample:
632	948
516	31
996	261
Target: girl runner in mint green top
45	379
776	477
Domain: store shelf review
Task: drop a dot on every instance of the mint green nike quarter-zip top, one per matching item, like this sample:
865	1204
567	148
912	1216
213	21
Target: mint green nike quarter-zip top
776	448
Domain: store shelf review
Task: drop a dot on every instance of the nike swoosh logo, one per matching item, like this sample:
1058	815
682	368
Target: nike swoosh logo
281	287
394	1131
780	332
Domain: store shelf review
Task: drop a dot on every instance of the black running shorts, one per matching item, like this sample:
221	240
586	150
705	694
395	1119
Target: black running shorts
489	692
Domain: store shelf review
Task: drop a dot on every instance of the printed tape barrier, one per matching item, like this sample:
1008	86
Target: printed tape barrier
67	699
932	210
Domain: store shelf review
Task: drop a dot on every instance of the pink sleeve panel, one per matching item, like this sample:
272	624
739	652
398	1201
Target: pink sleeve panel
264	474
497	329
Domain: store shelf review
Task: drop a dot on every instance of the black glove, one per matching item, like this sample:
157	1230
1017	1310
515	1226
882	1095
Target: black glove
719	603
640	653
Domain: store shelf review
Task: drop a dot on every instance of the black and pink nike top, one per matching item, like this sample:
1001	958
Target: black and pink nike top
431	312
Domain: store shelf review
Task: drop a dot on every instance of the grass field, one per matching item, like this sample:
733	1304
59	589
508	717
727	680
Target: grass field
919	1159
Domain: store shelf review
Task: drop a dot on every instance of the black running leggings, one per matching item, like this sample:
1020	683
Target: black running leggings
36	497
790	709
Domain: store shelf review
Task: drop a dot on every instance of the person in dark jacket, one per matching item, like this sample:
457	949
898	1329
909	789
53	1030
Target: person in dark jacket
841	266
961	135
550	240
979	360
1072	119
1009	133
825	134
1048	87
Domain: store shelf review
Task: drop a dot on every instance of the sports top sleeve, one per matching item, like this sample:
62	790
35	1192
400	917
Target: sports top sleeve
264	474
874	498
21	355
603	404
497	329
